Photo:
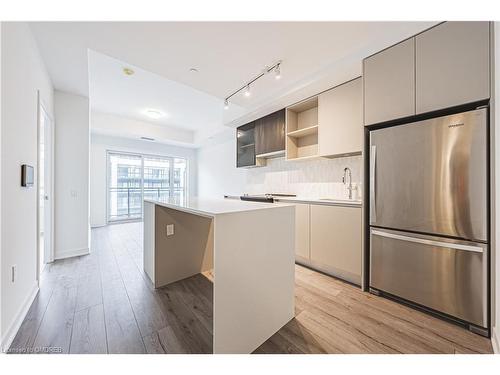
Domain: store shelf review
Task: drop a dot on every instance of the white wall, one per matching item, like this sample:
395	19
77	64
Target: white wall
319	178
72	137
114	125
100	144
23	73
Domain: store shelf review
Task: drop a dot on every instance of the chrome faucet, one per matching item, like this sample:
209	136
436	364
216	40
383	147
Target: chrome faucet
348	173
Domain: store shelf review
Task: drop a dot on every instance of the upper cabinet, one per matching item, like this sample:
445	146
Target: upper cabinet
270	135
445	66
389	83
340	119
452	65
245	146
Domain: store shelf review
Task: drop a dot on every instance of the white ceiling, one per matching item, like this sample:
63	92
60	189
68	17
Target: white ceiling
227	54
112	91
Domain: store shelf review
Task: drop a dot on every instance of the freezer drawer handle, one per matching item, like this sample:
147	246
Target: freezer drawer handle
455	246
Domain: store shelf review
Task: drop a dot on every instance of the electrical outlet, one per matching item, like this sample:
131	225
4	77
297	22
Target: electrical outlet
13	273
170	229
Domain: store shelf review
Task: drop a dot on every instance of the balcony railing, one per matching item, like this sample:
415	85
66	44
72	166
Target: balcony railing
126	202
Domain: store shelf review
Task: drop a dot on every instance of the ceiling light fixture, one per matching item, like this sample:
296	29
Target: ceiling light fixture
154	114
128	71
194	70
276	68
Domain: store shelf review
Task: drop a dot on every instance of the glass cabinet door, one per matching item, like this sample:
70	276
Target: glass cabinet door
245	136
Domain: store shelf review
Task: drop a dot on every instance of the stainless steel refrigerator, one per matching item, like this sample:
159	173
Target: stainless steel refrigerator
429	215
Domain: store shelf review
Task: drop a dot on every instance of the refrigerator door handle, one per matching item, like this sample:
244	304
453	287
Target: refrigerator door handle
373	198
449	245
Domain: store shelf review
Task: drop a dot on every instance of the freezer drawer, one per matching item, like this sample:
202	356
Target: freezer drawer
431	176
445	275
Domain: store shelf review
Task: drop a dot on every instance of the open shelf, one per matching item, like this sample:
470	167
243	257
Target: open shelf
303	132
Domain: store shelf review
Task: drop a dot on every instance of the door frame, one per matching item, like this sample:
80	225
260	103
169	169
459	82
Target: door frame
49	253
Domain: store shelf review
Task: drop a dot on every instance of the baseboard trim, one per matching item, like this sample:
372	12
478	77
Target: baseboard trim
495	337
11	332
97	225
71	253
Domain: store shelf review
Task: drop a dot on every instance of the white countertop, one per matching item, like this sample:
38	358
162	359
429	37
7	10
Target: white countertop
213	207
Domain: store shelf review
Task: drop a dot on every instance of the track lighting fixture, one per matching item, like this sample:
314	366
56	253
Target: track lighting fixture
276	68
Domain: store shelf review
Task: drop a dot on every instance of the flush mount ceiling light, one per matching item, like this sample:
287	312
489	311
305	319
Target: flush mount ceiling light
154	113
128	71
194	70
276	68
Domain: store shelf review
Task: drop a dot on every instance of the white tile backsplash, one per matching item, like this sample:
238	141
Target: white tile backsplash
316	178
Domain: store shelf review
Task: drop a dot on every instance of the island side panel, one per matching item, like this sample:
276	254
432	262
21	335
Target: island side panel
254	277
149	240
188	251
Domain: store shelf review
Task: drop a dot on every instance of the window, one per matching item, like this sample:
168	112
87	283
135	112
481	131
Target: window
134	177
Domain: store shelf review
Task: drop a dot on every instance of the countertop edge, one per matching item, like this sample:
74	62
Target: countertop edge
209	214
320	202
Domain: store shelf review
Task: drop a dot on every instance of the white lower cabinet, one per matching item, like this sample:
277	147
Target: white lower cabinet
334	240
302	232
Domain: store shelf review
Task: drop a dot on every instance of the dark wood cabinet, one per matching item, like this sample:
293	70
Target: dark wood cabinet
260	137
270	133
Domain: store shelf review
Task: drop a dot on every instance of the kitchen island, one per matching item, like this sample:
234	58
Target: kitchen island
248	247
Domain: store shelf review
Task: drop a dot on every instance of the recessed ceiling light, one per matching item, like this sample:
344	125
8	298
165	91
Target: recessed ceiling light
128	71
154	113
194	70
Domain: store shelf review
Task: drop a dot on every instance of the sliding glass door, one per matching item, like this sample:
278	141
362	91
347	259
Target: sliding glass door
134	177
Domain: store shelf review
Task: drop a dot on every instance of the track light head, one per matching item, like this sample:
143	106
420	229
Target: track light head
247	91
277	72
226	104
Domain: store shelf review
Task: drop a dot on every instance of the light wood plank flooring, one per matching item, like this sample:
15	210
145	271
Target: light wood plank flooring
104	303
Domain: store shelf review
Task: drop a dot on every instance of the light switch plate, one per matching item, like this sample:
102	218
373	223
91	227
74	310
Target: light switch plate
170	229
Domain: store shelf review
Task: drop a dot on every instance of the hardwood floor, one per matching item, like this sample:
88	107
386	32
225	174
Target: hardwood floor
104	303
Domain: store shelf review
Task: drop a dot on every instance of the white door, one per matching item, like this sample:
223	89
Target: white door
45	205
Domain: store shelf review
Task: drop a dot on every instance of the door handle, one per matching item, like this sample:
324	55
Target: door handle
454	246
46	197
373	183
